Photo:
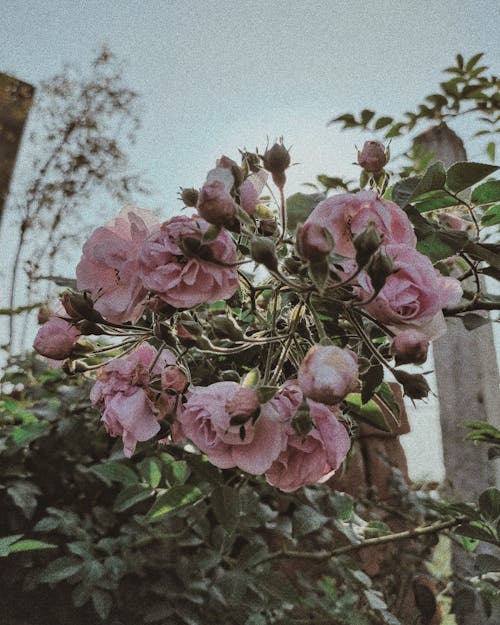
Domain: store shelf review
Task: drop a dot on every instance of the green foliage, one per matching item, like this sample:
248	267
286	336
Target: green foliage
468	90
164	537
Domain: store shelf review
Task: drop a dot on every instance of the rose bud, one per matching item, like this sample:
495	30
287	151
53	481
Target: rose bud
56	339
414	385
277	160
263	251
410	346
242	406
226	328
190	197
328	373
379	269
80	306
215	203
314	242
373	156
366	243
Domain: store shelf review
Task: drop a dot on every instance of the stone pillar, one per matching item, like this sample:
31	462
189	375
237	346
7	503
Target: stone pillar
467	383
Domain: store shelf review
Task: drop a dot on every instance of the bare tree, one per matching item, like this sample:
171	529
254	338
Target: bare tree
77	152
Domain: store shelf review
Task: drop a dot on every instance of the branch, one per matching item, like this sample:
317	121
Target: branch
369	542
475	305
20	309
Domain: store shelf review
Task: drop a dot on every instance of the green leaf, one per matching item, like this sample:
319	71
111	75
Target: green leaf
461	176
474	531
382	122
486	193
440	244
24	496
179	471
102	603
366	116
30	545
130	496
6	542
469	544
434	179
434	201
319	272
299	206
492	216
491	150
23	435
61	569
80	595
368	413
226	507
307	520
343	505
472	61
173	500
115	471
371	379
404	189
150	470
489	504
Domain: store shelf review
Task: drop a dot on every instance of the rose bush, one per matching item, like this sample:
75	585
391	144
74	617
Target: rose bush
270	374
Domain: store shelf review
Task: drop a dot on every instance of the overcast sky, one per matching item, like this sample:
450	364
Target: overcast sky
217	75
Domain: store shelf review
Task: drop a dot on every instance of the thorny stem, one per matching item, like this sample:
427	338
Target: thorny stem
269	356
473	269
366	339
286	347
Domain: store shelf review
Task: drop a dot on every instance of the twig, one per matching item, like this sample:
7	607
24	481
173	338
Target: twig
369	542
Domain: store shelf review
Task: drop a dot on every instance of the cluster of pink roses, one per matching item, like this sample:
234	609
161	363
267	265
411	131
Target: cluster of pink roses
227	422
414	293
134	254
296	435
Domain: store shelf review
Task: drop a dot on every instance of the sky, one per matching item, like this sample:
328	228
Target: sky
215	76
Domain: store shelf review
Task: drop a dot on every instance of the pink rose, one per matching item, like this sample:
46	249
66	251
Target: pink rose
328	373
109	265
312	458
372	157
252	444
410	346
348	214
175	265
131	409
215	203
415	294
56	338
